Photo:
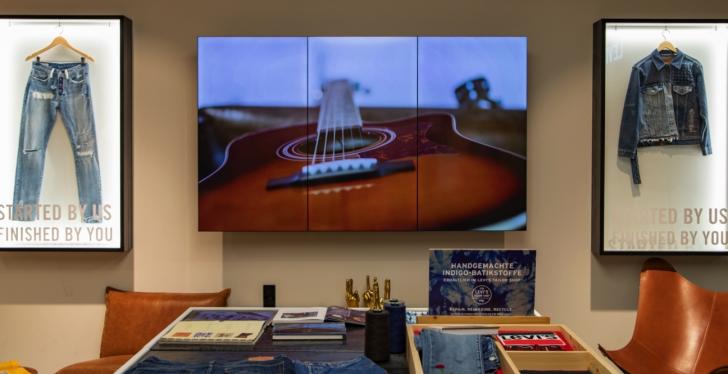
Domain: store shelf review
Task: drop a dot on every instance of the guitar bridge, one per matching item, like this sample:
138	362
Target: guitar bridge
341	170
339	167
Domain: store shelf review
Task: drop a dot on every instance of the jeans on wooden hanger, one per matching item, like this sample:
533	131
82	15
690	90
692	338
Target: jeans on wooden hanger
57	88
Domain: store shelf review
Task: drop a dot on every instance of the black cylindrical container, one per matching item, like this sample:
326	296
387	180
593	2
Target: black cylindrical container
376	338
397	325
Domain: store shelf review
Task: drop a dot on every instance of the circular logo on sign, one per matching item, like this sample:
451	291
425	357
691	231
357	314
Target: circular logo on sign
482	295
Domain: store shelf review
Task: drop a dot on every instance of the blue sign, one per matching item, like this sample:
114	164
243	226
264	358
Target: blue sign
482	282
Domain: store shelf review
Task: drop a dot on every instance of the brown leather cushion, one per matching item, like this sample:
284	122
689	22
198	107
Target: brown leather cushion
134	318
106	365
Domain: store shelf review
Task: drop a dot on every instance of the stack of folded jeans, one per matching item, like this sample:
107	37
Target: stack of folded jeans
276	365
444	353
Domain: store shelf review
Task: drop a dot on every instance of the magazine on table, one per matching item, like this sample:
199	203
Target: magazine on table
300	315
346	315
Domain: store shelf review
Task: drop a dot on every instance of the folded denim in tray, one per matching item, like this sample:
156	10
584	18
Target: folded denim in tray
277	365
451	353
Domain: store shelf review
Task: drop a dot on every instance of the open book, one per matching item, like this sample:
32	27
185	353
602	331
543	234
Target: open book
215	332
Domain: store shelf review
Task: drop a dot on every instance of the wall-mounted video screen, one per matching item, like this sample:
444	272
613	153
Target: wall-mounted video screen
362	133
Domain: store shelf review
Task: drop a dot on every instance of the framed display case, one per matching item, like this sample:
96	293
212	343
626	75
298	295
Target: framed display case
65	105
660	168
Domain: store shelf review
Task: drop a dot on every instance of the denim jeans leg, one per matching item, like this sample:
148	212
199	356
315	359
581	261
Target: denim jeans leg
78	117
38	116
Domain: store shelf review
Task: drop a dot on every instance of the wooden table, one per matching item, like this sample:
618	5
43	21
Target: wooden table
350	348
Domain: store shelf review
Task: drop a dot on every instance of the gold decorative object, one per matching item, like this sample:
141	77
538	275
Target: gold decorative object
378	302
352	296
368	295
387	289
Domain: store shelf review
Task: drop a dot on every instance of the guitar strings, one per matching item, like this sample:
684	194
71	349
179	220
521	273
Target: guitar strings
337	116
340	122
326	135
349	108
343	144
318	135
315	147
351	135
332	116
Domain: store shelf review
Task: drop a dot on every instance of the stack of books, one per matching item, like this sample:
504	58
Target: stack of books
306	324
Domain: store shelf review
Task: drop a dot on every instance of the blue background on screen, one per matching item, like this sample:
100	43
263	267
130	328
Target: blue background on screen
273	71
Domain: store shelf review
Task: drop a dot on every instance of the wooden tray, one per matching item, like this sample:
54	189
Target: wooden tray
582	357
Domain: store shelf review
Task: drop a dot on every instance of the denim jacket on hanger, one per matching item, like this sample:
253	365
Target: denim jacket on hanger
665	104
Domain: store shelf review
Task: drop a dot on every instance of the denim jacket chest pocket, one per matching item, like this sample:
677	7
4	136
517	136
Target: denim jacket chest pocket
687	111
682	90
658	120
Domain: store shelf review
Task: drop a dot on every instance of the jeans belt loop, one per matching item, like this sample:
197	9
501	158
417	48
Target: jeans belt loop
66	72
52	71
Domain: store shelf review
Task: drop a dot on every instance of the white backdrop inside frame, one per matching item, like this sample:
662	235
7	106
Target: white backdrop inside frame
100	38
651	216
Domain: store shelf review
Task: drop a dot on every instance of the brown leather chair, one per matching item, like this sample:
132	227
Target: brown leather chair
681	328
133	319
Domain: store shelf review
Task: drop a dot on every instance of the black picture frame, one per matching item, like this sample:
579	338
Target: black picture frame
126	124
598	138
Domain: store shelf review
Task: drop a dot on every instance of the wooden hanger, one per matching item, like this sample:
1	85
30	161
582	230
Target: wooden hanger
59	40
666	45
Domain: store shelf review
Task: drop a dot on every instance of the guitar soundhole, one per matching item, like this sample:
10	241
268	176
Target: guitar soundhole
333	146
336	144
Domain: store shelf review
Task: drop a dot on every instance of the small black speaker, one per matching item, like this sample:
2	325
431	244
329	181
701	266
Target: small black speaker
269	295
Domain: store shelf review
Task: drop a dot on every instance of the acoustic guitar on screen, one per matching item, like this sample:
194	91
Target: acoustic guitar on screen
343	174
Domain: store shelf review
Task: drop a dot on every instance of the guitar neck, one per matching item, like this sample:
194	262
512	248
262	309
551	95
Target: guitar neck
338	110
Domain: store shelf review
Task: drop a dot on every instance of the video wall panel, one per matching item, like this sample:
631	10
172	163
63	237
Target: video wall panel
362	133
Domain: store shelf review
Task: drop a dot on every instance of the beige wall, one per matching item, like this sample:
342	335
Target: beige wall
51	309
